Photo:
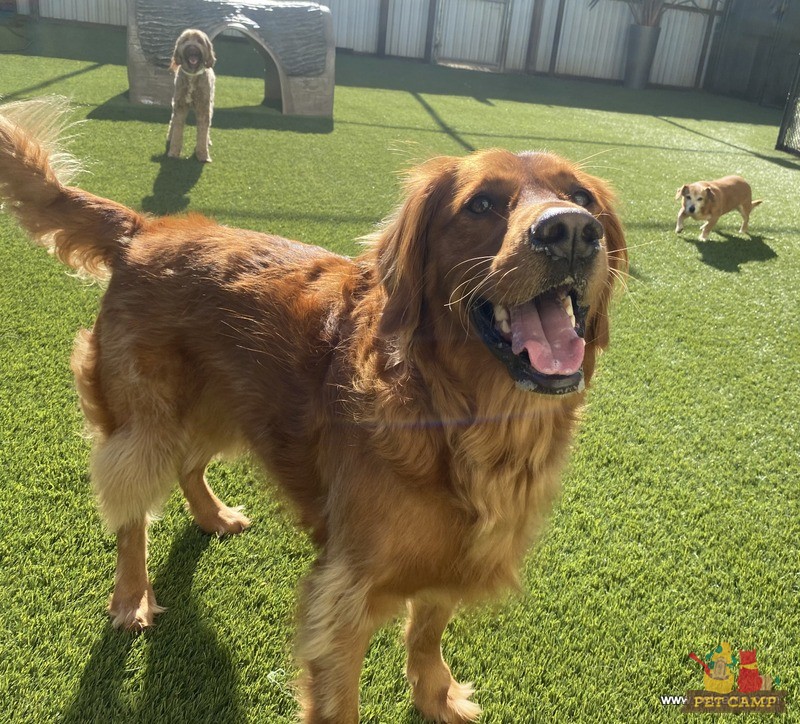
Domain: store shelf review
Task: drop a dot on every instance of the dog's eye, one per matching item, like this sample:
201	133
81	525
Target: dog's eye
479	204
582	197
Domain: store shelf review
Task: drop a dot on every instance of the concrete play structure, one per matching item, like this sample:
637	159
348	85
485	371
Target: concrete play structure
294	38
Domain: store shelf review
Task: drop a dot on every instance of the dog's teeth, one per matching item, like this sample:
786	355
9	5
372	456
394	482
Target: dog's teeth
566	301
502	319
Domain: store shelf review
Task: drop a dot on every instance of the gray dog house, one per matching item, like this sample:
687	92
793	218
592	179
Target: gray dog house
295	39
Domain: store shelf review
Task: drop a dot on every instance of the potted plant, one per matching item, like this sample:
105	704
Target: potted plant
643	37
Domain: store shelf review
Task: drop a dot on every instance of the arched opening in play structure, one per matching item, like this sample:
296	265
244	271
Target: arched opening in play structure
241	52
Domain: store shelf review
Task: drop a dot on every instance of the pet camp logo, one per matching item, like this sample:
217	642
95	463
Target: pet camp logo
752	691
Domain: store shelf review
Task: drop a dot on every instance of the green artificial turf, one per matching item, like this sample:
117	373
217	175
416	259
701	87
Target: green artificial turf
679	523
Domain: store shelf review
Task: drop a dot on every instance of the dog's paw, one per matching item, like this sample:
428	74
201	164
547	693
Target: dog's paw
678	229
203	157
453	705
223	521
133	610
450	703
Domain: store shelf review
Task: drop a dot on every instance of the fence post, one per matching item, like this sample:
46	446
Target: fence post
534	36
557	37
431	30
703	62
383	23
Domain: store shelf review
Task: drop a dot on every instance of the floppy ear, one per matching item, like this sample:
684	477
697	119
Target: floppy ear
710	195
208	52
402	247
597	325
176	56
680	191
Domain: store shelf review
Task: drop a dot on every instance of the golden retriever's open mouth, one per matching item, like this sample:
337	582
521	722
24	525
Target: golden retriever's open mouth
540	342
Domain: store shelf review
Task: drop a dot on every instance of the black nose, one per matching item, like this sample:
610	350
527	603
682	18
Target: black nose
567	233
691	209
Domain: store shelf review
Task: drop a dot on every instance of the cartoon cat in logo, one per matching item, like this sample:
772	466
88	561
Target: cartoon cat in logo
749	677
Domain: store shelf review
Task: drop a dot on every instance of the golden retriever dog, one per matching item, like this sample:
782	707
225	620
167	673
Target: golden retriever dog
416	403
708	200
192	61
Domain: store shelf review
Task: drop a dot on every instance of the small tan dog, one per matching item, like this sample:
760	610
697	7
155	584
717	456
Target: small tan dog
192	61
708	200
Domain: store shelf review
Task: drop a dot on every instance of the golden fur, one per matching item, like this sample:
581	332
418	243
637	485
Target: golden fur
419	467
192	61
709	200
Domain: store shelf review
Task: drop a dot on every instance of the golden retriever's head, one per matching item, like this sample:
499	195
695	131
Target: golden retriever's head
193	52
695	197
512	254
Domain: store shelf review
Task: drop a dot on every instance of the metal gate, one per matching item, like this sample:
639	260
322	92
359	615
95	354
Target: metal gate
789	135
473	32
755	48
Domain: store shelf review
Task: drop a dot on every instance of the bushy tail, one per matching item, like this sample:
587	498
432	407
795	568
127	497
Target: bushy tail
83	230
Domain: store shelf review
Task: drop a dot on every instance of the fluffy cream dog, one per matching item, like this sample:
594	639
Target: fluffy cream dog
192	61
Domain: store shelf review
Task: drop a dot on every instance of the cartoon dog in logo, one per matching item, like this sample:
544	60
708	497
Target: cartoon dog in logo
718	667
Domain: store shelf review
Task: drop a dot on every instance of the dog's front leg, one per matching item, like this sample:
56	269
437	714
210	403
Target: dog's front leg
203	136
707	227
679	224
339	613
209	512
437	695
175	134
133	604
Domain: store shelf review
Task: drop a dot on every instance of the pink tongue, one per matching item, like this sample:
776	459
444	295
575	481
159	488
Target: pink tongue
545	329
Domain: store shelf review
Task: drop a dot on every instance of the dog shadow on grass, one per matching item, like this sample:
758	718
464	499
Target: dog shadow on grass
176	178
188	675
730	253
